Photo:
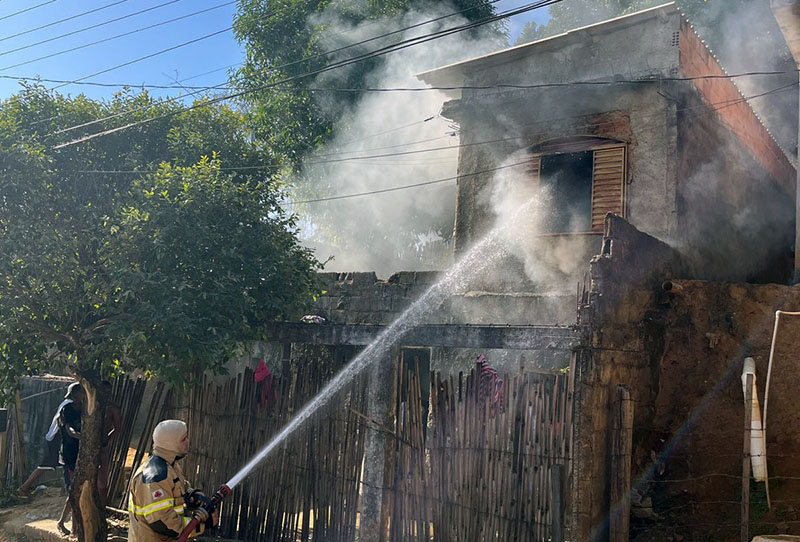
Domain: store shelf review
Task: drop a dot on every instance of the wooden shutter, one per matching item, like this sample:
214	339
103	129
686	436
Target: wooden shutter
533	171
608	184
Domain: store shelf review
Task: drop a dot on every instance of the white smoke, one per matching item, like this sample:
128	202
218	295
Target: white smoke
399	230
523	209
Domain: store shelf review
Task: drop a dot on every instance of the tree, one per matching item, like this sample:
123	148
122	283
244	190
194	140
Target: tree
290	39
165	272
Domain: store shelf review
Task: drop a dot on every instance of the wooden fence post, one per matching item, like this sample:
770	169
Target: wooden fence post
748	421
621	446
3	446
380	404
557	533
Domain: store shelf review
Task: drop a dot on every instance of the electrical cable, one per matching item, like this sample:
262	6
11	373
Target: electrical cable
306	59
415	185
513	86
59	21
111	38
379	52
4	17
717	106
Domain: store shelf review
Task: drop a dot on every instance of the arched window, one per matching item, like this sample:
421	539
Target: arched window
584	178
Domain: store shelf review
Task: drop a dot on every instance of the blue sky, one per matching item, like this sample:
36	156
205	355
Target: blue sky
211	54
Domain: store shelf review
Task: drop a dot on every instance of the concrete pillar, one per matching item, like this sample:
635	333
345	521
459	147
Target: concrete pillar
377	469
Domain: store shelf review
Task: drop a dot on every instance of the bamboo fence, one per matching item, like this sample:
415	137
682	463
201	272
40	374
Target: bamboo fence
485	471
308	488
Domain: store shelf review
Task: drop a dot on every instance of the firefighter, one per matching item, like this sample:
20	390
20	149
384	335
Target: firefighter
161	502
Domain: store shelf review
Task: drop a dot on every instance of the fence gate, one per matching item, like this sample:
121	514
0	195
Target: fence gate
481	469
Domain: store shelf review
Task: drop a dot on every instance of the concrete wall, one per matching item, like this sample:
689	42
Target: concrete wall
520	119
361	298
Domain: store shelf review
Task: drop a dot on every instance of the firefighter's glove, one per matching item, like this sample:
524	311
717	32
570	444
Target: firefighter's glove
202	508
197	498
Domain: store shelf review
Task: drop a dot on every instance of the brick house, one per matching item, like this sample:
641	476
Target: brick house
662	137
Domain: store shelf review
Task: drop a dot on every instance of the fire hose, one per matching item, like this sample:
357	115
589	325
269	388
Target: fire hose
210	507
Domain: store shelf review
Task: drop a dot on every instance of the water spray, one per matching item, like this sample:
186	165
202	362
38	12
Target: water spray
477	260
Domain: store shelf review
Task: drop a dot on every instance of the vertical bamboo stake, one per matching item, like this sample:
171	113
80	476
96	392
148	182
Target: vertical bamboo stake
748	420
557	529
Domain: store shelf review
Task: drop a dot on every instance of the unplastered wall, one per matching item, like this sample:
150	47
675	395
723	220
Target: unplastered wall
695	412
680	355
622	307
735	219
361	298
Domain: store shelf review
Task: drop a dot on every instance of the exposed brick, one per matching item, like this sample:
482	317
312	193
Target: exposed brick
695	61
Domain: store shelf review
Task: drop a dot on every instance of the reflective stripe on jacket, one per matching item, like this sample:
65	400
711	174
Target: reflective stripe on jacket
156	503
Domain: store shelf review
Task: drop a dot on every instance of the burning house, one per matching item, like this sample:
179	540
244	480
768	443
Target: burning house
644	168
660	137
610	411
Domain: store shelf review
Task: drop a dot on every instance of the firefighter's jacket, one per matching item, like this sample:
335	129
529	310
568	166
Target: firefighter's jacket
157	501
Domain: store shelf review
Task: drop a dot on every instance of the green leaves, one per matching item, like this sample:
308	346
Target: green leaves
163	272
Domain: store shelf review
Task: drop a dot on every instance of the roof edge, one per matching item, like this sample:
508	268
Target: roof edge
453	74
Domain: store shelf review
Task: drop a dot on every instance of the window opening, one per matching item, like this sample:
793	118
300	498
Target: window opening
567	180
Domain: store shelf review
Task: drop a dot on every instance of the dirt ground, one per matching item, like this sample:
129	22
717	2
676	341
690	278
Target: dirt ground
35	520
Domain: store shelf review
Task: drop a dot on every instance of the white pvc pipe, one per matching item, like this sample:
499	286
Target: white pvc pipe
758	455
766	389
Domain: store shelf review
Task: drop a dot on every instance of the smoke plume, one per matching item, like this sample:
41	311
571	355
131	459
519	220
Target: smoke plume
408	229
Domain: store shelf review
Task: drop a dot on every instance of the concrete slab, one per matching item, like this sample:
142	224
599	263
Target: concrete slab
777	538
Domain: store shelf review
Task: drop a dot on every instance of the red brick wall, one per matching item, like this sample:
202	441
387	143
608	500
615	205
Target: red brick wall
697	61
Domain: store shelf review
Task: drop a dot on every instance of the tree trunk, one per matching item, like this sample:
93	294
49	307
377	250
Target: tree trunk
88	515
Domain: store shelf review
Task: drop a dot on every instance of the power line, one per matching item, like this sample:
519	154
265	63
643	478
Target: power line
717	106
517	86
306	59
437	181
59	21
407	186
4	17
379	52
723	104
110	38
